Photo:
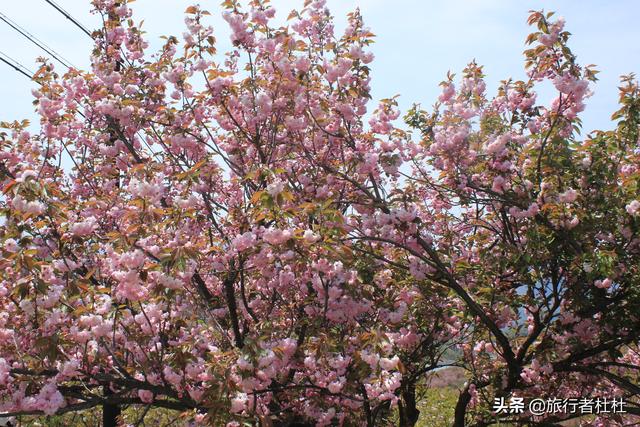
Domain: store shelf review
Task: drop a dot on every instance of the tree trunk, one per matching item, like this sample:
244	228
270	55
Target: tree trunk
461	407
110	412
409	413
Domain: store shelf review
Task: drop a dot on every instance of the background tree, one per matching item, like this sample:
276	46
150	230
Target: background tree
227	237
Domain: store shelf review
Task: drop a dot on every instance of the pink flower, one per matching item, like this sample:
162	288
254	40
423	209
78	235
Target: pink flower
276	236
129	286
49	400
533	210
5	375
568	84
239	403
498	184
244	364
633	208
275	188
85	227
370	358
447	92
133	260
406	215
10	245
389	364
573	222
603	284
527	102
169	282
145	395
295	124
554	33
310	237
303	64
24	175
568	196
35	207
244	241
70	368
335	386
171	376
145	190
497	146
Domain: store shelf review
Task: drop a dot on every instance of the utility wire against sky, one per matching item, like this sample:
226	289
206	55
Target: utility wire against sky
16	65
42	45
69	17
21	68
27	73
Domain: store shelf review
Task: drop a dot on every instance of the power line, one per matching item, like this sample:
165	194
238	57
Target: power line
42	45
69	17
16	65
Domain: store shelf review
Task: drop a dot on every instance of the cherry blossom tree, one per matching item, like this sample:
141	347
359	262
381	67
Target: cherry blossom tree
235	238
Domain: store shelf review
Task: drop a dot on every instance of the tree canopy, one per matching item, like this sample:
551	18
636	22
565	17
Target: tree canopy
242	237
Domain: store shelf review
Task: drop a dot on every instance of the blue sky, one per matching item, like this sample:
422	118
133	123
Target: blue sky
417	41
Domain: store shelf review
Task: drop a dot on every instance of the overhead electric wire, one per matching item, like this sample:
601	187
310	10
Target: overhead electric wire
16	65
69	17
33	39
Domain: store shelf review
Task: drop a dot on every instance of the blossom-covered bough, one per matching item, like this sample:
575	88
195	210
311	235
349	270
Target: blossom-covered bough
229	237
